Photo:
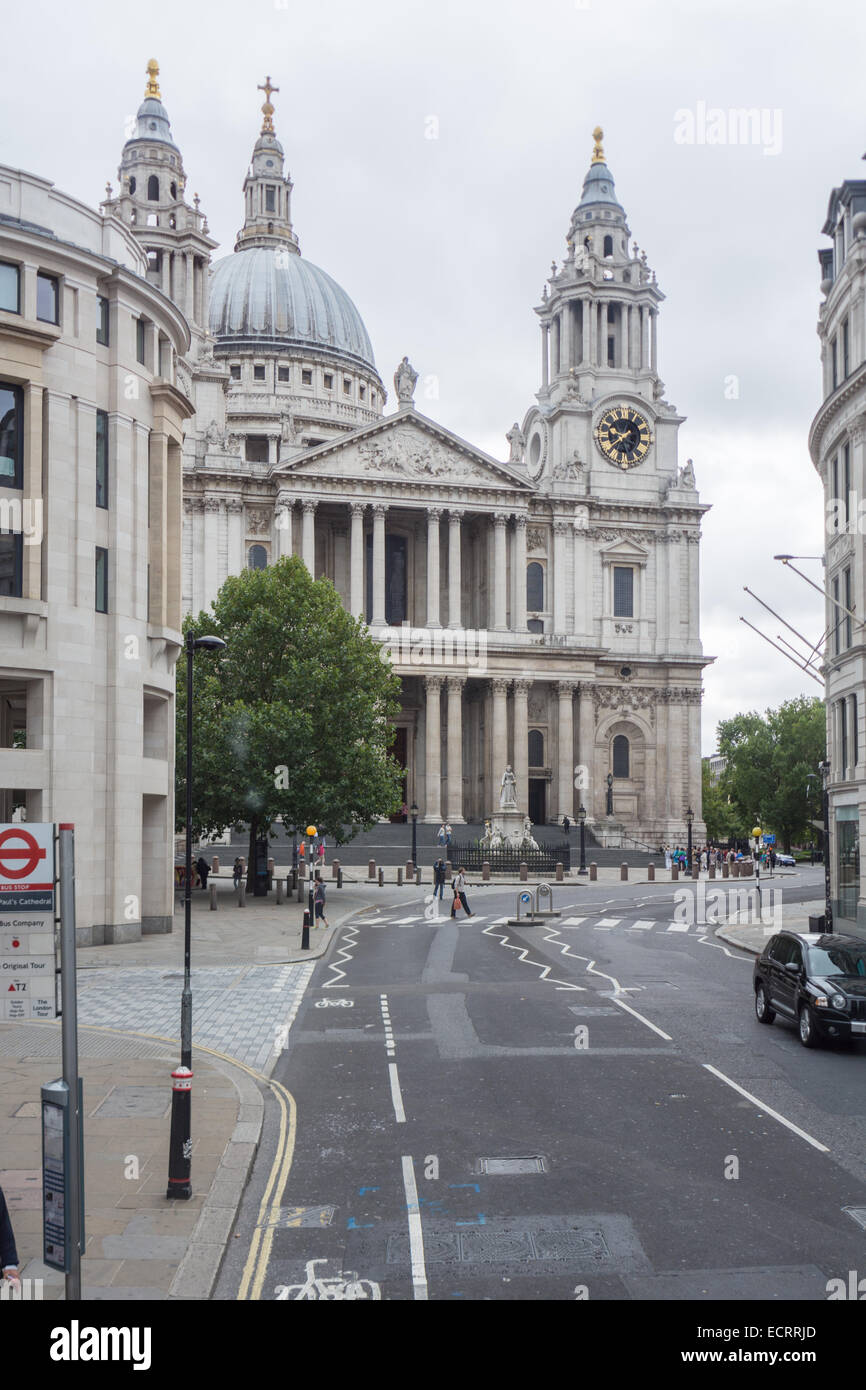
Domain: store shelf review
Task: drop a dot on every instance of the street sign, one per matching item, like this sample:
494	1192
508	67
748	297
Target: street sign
27	961
769	839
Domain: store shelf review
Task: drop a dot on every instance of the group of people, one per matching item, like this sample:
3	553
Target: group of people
702	855
458	887
444	834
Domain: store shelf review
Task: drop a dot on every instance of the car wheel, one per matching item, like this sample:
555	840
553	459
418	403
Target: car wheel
808	1031
762	1006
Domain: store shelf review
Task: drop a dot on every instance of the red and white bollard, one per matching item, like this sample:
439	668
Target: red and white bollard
180	1143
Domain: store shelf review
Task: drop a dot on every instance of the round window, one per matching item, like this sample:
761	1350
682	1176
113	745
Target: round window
535	450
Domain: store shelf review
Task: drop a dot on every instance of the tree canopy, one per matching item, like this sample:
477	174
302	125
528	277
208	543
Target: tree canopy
770	759
293	717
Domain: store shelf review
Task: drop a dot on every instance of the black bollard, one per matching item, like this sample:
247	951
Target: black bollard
305	931
180	1142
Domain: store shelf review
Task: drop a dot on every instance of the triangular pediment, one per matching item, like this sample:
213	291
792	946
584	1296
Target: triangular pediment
405	448
626	550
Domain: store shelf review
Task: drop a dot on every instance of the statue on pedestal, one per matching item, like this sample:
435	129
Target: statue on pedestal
508	790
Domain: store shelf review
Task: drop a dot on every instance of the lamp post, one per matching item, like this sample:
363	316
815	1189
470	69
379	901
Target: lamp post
610	793
413	812
690	815
581	820
180	1144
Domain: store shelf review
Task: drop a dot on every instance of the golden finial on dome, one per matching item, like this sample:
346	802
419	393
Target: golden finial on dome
267	106
152	88
598	152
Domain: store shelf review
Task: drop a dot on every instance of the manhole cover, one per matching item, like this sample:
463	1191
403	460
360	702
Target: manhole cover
498	1167
150	1101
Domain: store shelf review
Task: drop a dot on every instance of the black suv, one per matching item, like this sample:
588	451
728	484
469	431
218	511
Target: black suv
816	981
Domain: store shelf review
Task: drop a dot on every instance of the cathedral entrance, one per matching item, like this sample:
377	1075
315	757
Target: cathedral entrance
538	800
396	605
399	751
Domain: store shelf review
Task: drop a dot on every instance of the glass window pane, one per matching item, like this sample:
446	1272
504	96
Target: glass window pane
101	580
258	557
623	592
620	756
534	588
10	565
102	320
10	436
101	459
9	288
536	748
46	298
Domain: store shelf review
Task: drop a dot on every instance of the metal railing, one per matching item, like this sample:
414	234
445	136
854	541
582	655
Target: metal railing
507	860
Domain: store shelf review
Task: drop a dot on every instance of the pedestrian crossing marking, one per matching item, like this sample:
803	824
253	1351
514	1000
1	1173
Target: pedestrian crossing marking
644	924
607	923
572	921
678	926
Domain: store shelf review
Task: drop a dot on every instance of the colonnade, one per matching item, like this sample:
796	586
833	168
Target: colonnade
576	335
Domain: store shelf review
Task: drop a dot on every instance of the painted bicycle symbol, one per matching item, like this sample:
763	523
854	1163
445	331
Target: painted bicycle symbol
334	1004
339	1288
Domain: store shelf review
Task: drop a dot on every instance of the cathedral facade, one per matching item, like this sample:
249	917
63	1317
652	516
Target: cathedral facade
541	609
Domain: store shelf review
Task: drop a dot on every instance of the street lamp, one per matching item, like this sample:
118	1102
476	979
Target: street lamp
610	794
413	812
690	815
581	820
180	1144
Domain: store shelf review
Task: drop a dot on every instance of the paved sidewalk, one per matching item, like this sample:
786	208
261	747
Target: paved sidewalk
753	936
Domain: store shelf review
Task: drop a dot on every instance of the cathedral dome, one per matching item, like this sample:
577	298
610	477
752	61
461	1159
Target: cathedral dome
268	297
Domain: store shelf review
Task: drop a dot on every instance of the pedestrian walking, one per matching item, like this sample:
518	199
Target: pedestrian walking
667	856
321	853
8	1253
566	824
458	883
448	834
319	900
439	878
237	872
440	834
203	870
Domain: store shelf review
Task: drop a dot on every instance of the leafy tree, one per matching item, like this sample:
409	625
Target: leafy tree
770	757
293	717
720	816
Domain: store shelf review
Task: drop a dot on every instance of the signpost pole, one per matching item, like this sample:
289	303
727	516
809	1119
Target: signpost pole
69	1036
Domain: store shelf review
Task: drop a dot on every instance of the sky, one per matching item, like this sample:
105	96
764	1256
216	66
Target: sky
438	150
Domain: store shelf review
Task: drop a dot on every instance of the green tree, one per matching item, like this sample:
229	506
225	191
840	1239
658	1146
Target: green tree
770	757
293	717
720	817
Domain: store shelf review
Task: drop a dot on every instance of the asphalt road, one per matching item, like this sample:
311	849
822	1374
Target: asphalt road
587	1108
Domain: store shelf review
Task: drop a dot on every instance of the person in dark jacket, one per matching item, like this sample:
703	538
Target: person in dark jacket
439	878
203	870
8	1253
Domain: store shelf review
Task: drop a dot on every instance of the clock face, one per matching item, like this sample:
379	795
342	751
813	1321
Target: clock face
624	436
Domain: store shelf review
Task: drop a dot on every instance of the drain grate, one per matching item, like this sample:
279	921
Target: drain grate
501	1167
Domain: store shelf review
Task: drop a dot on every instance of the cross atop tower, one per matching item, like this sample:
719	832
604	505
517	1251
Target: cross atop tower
152	88
267	106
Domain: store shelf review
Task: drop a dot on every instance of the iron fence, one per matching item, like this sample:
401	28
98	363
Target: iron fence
507	860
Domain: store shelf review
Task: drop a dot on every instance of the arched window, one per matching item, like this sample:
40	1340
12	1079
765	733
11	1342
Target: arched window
153	189
536	748
257	558
174	190
132	183
534	588
608	246
620	756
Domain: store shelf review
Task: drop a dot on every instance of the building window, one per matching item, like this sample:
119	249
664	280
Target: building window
257	448
623	592
846	478
855	740
534	588
535	625
836	618
270	199
101	458
10	288
235	371
847	861
846	350
257	557
329	381
47	298
608	246
10	564
834	468
11	436
258	373
362	391
153	189
834	358
347	386
848	620
536	748
306	376
620	756
140	341
132	185
283	374
101	580
102	331
174	188
843	739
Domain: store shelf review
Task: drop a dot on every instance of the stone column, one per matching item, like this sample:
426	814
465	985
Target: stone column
654	319
188	286
212	509
521	743
433	515
565	784
356	561
455	749
308	535
379	511
586	745
593	332
433	762
582	588
565	317
454	582
587	313
500	574
602	353
500	729
560	531
519	619
545	356
282	531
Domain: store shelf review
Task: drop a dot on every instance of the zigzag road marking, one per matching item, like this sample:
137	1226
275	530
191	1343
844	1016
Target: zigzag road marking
523	954
346	955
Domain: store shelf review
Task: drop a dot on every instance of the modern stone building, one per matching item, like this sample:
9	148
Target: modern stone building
838	446
91	433
541	609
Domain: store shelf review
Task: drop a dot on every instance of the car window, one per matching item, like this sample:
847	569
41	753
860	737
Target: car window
838	960
780	949
796	954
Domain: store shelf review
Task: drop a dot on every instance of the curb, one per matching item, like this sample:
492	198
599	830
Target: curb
198	1270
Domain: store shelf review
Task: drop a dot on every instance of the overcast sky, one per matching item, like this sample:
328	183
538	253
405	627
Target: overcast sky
444	244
